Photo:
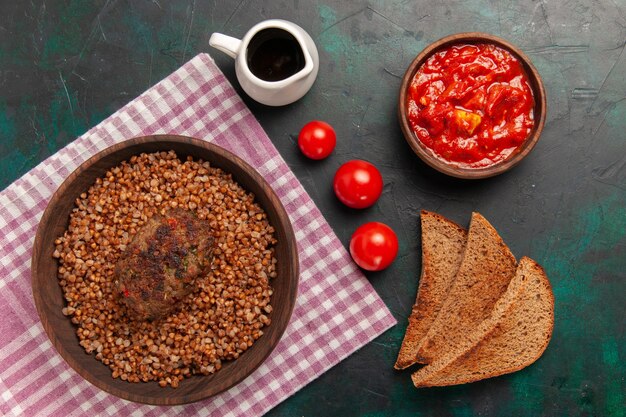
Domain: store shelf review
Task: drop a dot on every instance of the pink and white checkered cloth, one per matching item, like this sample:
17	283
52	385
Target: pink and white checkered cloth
336	313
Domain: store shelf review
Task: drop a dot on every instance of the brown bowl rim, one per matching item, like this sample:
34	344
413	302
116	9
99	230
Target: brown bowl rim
427	155
211	387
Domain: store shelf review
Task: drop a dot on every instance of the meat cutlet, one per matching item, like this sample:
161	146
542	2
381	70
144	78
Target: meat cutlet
162	263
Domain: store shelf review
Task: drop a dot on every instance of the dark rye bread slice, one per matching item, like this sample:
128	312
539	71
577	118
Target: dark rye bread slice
485	272
443	244
517	340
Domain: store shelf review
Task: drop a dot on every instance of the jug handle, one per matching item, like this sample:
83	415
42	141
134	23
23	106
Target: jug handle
227	44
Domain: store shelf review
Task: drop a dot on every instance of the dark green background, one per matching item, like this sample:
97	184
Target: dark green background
66	65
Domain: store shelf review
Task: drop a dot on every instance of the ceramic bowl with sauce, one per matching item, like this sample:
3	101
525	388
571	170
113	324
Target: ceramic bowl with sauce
472	105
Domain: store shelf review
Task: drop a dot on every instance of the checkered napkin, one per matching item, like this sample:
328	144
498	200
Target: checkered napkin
337	311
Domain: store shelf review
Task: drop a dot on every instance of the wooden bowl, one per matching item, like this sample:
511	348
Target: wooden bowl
440	164
50	301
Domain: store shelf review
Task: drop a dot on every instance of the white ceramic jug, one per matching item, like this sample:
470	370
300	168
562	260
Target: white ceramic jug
276	62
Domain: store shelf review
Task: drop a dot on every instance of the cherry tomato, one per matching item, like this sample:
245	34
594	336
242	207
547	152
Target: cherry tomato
317	139
374	246
358	184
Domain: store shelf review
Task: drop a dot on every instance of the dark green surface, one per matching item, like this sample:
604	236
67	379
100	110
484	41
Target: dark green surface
66	65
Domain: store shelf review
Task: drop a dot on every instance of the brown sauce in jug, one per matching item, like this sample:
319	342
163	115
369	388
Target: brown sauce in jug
274	54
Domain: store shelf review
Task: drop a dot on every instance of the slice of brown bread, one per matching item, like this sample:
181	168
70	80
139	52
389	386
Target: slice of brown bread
485	272
443	244
517	340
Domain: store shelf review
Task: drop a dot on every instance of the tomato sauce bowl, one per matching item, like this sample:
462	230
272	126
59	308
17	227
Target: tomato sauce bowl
472	105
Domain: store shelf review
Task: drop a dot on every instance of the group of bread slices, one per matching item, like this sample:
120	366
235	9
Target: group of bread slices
478	313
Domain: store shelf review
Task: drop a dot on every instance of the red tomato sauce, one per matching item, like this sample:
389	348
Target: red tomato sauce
471	104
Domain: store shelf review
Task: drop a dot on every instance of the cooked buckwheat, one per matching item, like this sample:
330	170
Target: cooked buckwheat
219	321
